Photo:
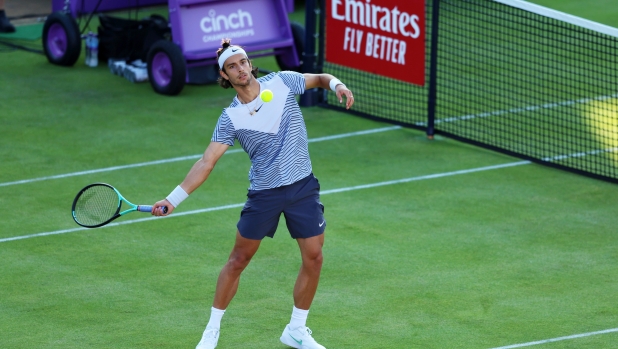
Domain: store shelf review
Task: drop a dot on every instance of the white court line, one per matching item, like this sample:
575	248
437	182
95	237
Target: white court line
520	110
432	176
558	339
218	208
332	191
344	135
325	192
577	155
183	158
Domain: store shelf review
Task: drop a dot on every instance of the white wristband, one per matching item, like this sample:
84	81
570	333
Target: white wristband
333	84
177	196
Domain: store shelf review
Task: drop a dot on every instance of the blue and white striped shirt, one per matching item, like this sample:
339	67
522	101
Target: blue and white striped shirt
275	137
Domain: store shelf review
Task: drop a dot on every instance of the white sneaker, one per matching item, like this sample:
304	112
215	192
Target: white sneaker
209	339
299	338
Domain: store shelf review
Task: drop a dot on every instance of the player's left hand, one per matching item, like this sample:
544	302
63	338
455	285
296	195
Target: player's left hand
342	90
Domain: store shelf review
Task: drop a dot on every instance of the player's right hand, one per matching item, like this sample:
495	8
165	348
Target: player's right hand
157	208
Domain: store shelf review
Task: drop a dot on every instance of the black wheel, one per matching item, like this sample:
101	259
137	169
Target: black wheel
61	40
167	70
298	33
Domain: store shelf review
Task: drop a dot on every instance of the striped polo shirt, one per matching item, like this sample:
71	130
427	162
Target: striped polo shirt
275	137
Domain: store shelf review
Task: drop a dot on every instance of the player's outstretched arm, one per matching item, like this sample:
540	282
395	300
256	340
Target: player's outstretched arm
329	82
196	176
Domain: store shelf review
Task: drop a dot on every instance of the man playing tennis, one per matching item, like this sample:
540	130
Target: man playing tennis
281	181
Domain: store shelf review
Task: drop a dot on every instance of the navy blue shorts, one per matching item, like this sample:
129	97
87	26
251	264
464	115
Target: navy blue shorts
299	202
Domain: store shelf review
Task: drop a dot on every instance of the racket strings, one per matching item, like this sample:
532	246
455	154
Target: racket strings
96	205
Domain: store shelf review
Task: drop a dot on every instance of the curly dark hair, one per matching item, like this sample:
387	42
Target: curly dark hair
225	44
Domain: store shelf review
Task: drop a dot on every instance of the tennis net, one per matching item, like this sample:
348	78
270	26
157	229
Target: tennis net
510	76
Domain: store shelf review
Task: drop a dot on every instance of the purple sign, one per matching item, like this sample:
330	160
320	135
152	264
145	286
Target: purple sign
78	7
245	22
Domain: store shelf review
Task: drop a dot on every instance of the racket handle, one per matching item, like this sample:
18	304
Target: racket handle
148	208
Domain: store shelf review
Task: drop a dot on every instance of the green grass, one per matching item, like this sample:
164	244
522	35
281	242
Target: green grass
25	32
472	261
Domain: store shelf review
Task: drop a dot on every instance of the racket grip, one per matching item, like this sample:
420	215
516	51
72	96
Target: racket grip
148	208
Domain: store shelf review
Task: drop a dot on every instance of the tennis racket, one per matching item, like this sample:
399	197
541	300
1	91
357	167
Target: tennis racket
99	203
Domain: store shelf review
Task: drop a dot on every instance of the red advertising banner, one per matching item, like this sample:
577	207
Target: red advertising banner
383	37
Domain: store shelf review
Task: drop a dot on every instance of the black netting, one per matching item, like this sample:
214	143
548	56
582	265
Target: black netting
510	80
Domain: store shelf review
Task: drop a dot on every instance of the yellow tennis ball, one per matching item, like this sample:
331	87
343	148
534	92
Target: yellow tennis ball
266	95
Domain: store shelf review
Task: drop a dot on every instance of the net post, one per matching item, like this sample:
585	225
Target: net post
321	15
433	70
310	97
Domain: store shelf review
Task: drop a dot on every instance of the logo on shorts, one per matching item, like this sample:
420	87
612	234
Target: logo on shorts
321	224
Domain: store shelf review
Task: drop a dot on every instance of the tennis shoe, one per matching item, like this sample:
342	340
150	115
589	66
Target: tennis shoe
210	337
299	338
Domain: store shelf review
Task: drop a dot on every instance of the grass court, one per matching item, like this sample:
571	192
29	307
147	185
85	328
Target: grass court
431	244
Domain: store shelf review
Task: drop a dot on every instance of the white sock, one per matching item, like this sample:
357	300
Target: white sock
215	318
299	318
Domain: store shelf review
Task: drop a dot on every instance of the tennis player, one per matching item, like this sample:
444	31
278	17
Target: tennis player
281	181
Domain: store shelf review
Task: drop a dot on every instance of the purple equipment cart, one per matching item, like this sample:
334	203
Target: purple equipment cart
197	26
